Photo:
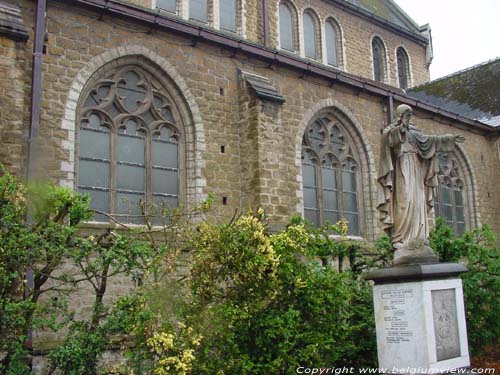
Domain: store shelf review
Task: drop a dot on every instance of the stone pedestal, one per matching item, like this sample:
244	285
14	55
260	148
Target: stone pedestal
420	318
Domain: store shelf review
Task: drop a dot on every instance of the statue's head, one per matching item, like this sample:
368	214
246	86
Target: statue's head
403	113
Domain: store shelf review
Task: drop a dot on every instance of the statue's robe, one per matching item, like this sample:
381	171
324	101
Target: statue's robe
408	179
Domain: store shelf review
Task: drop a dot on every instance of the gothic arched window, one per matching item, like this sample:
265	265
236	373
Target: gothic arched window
330	175
287	23
449	202
378	53
333	46
403	63
128	144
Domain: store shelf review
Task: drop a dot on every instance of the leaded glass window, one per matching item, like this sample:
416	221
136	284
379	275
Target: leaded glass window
378	53
128	146
403	68
449	201
287	30
330	175
332	42
310	39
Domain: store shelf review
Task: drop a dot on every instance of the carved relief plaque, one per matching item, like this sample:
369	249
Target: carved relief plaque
444	312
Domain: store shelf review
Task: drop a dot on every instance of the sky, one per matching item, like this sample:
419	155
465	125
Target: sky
464	33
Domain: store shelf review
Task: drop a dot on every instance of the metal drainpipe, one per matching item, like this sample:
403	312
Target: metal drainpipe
36	93
390	112
265	22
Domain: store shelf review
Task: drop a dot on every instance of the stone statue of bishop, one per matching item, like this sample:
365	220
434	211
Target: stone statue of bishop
408	178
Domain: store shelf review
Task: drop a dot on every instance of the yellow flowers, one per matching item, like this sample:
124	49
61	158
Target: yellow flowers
175	353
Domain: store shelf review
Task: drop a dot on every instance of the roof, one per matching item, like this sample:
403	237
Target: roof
389	11
260	85
11	22
473	93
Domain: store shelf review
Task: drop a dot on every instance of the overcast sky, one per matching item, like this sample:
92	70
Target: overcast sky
464	32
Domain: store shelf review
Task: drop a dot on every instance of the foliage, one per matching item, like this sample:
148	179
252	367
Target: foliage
481	284
267	303
40	235
37	248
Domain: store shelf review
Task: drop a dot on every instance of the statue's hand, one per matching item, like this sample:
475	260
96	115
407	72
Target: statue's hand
459	139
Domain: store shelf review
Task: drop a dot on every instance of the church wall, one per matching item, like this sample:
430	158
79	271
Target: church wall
76	35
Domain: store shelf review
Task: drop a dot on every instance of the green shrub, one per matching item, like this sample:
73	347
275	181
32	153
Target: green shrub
481	284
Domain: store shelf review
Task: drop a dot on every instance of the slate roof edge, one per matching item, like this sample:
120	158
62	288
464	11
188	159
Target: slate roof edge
448	76
158	20
363	13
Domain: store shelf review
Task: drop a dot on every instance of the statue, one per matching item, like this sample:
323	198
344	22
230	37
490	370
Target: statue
408	179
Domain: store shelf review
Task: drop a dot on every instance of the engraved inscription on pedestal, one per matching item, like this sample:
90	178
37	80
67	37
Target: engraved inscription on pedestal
395	304
444	313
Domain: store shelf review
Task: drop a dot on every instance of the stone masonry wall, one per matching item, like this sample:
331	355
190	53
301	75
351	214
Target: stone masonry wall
13	133
356	41
211	77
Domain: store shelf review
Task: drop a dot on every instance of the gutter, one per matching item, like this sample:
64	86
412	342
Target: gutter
272	56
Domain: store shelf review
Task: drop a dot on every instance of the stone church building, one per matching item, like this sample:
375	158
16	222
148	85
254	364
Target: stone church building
276	104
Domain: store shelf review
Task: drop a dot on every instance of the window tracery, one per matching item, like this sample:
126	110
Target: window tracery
128	145
330	175
449	202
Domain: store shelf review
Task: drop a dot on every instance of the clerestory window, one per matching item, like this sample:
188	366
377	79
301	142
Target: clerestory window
128	145
333	43
403	64
379	62
288	28
311	37
330	175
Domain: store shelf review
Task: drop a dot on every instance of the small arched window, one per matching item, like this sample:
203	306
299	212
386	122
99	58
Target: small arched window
310	35
450	200
403	63
198	10
330	175
227	14
378	53
287	27
128	145
168	5
333	46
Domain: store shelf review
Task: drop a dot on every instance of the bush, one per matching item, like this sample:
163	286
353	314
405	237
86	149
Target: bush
268	303
481	284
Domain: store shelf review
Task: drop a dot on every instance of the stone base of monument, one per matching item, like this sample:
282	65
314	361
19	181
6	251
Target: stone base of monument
420	318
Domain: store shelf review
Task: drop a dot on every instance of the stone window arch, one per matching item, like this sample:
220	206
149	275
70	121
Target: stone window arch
379	60
331	174
288	35
454	197
311	31
403	65
130	142
333	41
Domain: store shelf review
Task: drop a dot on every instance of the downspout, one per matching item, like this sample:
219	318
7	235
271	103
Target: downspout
36	84
265	23
36	93
390	112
